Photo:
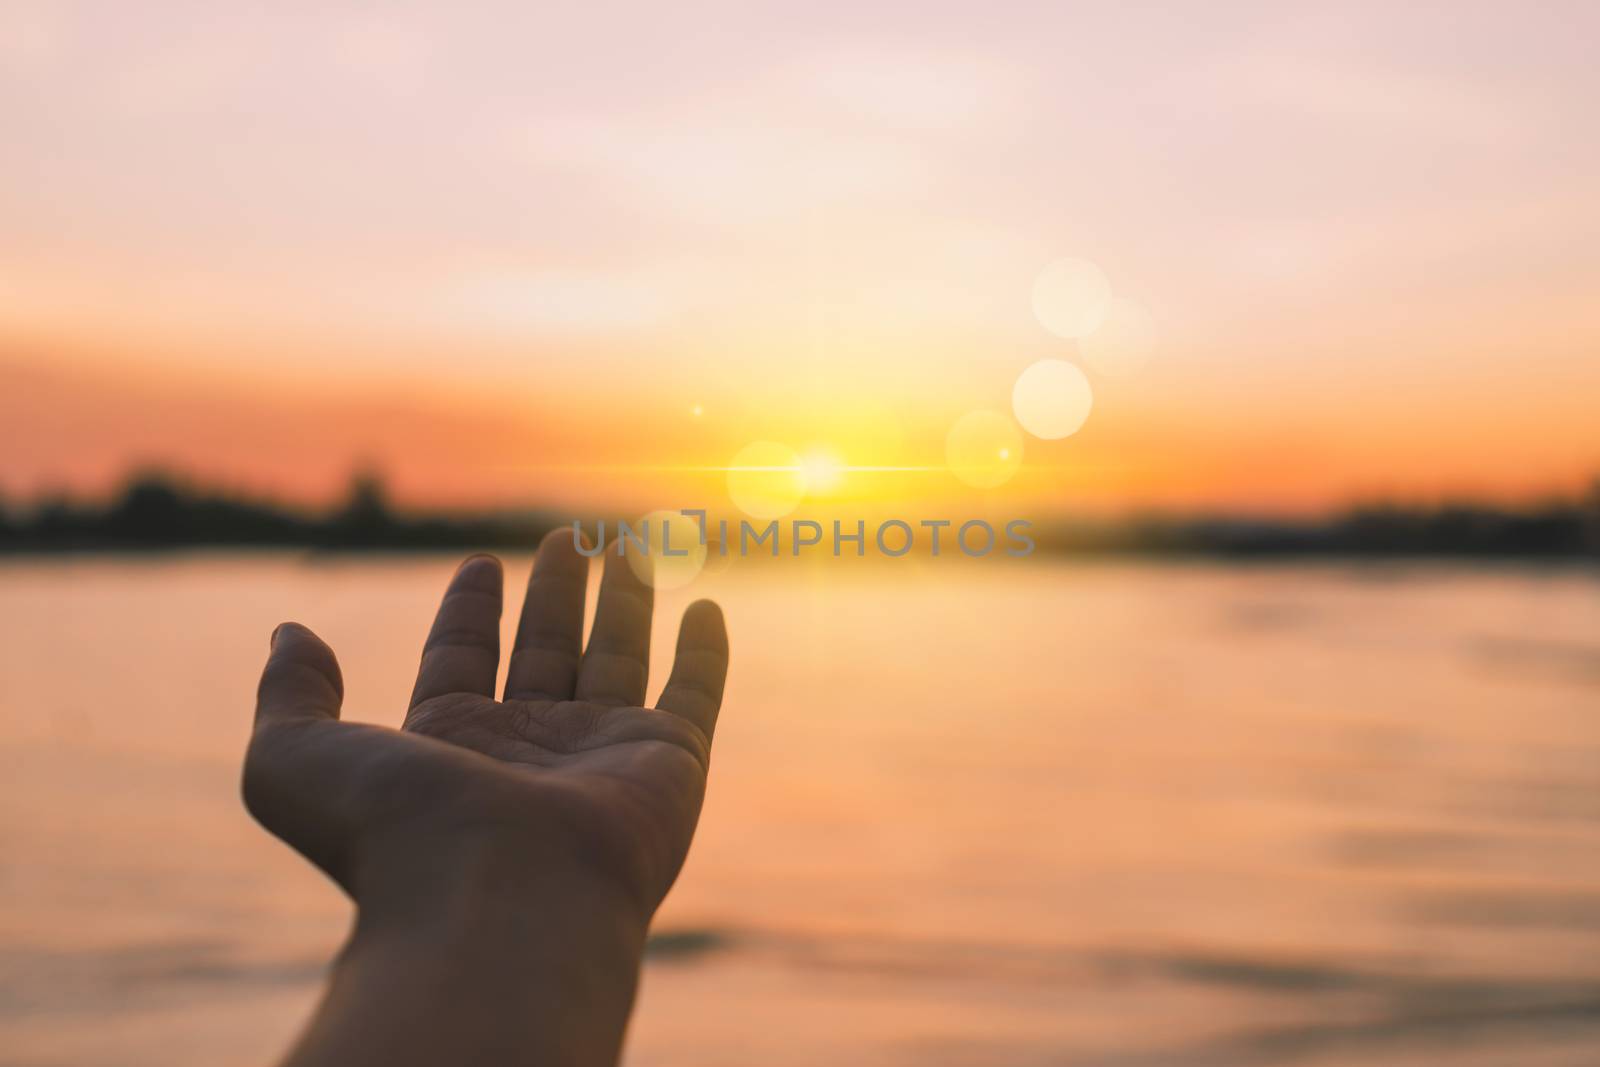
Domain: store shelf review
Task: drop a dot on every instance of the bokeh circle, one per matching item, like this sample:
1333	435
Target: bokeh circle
1051	399
666	529
983	449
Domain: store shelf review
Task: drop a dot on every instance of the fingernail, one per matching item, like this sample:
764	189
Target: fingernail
272	642
476	560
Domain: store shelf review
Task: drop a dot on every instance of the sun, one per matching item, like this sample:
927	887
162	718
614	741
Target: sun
821	470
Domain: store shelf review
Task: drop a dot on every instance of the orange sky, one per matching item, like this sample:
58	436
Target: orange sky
506	255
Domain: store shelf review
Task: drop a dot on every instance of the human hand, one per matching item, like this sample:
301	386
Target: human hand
569	779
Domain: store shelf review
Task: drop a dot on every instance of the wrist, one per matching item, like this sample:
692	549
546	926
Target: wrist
457	873
560	929
483	956
450	867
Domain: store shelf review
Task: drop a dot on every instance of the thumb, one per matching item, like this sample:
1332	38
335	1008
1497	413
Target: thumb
290	773
301	679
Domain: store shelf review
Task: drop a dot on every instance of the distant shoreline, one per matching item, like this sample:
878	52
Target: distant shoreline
157	512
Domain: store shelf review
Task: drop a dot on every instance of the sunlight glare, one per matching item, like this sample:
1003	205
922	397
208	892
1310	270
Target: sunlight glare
766	480
822	471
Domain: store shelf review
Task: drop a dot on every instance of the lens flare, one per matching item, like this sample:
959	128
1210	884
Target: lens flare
1071	298
984	449
1124	342
821	470
766	480
1051	399
676	555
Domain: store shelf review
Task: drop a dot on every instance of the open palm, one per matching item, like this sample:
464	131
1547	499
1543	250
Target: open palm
569	772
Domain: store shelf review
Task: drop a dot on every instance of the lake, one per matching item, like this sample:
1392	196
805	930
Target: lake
961	813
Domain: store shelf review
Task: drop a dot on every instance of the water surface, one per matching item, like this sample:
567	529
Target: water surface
975	814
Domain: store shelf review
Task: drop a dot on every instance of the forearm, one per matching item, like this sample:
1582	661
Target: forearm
537	970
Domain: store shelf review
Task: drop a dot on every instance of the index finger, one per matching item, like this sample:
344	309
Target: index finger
462	652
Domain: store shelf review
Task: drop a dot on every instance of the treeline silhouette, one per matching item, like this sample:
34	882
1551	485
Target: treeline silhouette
1554	530
159	510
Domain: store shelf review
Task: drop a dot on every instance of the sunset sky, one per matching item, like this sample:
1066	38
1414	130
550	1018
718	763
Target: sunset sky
579	253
